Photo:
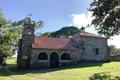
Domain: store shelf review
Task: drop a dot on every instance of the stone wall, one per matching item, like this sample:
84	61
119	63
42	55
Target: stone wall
87	46
46	63
115	58
90	46
25	44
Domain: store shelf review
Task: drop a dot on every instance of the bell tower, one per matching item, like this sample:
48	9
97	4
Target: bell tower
25	44
82	29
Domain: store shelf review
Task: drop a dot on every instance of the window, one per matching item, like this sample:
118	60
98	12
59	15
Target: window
42	56
97	51
65	56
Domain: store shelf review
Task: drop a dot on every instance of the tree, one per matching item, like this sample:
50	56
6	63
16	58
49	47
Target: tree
18	24
6	36
114	50
106	15
65	31
46	34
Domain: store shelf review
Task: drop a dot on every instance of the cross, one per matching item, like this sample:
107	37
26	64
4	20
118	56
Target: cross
29	15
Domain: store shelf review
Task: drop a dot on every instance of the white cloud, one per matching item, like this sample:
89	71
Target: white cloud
115	41
81	19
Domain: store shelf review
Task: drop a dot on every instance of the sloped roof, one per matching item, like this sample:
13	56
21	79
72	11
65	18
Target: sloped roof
86	34
53	43
61	43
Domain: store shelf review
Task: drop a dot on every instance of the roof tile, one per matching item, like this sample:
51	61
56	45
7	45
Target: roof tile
53	43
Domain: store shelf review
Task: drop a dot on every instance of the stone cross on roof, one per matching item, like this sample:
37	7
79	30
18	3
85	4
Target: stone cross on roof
82	29
29	15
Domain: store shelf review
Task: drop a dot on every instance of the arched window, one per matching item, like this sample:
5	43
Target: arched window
42	56
65	56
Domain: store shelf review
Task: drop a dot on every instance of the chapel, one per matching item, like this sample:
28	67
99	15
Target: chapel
40	51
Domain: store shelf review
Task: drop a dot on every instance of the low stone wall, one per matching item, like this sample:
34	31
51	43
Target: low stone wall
66	62
40	64
115	58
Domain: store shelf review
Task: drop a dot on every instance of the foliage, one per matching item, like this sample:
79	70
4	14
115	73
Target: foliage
106	15
46	34
114	50
38	24
65	32
8	37
104	76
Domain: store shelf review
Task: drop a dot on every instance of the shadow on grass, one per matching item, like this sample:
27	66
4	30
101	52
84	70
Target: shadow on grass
104	76
11	69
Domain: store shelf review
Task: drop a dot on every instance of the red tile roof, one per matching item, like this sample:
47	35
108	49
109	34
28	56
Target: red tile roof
86	34
53	43
61	43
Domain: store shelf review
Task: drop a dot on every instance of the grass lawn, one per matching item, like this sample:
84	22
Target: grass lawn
81	71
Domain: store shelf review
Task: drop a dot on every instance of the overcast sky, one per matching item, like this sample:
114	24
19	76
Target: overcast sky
54	13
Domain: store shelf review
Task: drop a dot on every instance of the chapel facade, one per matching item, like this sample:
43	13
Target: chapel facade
39	51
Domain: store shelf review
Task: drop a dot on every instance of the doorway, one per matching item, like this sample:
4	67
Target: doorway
54	60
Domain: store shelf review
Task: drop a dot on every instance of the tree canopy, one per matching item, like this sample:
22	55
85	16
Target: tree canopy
8	37
63	32
114	50
19	23
106	15
46	34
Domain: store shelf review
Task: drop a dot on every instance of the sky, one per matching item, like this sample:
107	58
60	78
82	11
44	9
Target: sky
54	13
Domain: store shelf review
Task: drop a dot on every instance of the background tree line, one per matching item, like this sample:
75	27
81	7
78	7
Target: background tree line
114	50
66	32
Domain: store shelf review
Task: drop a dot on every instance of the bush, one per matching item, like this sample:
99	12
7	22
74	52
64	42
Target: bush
104	76
2	61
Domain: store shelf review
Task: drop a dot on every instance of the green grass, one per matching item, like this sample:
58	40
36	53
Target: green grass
81	71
